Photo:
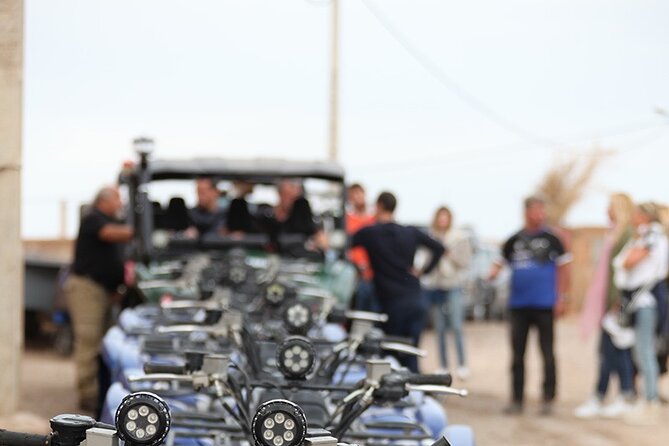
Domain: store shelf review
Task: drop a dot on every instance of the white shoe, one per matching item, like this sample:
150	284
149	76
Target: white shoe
616	409
463	373
644	413
590	409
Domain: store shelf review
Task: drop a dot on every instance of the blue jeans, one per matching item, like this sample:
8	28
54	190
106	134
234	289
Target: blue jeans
614	360
447	311
644	349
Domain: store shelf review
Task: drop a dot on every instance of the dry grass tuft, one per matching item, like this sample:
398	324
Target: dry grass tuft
566	181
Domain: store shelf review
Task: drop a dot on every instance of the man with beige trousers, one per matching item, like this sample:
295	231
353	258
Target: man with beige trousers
94	283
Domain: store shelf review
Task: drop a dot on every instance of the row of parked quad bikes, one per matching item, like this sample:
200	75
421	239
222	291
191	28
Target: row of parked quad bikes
244	350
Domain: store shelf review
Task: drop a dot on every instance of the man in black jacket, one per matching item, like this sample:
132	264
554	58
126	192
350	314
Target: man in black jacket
391	248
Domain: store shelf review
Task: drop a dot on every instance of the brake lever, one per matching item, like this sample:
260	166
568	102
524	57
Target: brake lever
160	283
444	390
158	377
189	304
366	316
192	328
403	348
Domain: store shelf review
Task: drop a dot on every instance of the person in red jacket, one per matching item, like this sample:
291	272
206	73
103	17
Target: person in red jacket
357	217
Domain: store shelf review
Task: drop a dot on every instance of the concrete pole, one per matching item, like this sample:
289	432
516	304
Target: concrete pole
63	220
11	255
334	82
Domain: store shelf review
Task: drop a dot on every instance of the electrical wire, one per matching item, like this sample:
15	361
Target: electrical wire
645	143
475	154
450	83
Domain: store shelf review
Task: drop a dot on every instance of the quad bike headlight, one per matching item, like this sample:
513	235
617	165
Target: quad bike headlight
297	318
238	274
295	357
142	419
279	423
275	294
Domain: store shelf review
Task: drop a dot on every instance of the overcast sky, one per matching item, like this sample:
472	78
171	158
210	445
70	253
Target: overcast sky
250	78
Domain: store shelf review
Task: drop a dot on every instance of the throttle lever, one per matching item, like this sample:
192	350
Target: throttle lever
444	390
157	377
403	348
190	304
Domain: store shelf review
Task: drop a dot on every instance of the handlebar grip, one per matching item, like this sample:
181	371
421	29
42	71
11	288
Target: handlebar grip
337	316
9	438
151	367
435	379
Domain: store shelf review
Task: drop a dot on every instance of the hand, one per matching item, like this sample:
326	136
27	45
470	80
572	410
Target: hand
116	298
190	233
416	272
494	272
237	235
560	308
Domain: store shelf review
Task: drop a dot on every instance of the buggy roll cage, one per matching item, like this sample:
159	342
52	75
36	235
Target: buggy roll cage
259	171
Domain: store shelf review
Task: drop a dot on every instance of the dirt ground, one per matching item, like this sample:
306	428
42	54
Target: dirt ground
489	387
47	384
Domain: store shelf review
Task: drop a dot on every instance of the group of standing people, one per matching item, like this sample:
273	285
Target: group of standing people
407	283
407	273
627	299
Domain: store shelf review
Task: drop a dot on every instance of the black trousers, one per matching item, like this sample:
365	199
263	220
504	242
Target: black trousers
521	322
406	318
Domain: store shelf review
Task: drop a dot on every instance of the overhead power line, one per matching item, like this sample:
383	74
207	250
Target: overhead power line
477	154
451	84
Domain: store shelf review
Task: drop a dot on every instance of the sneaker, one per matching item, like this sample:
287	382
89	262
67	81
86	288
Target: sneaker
546	408
644	413
590	409
442	371
616	409
463	373
515	408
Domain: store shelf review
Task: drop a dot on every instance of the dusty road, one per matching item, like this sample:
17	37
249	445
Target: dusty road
489	392
47	385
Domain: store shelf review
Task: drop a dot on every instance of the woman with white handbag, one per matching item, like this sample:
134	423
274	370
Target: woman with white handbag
601	306
640	272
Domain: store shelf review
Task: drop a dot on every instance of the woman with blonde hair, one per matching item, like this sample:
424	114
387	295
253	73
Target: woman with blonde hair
604	297
444	287
640	272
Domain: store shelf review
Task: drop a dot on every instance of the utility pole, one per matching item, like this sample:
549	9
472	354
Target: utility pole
334	81
11	255
63	220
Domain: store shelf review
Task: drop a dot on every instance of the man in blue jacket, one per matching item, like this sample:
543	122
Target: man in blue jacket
539	282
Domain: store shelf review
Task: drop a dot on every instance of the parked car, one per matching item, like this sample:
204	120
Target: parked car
486	300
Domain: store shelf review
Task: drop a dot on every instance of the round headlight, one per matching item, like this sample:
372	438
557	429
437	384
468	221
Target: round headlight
279	423
295	357
237	275
297	318
142	419
275	293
